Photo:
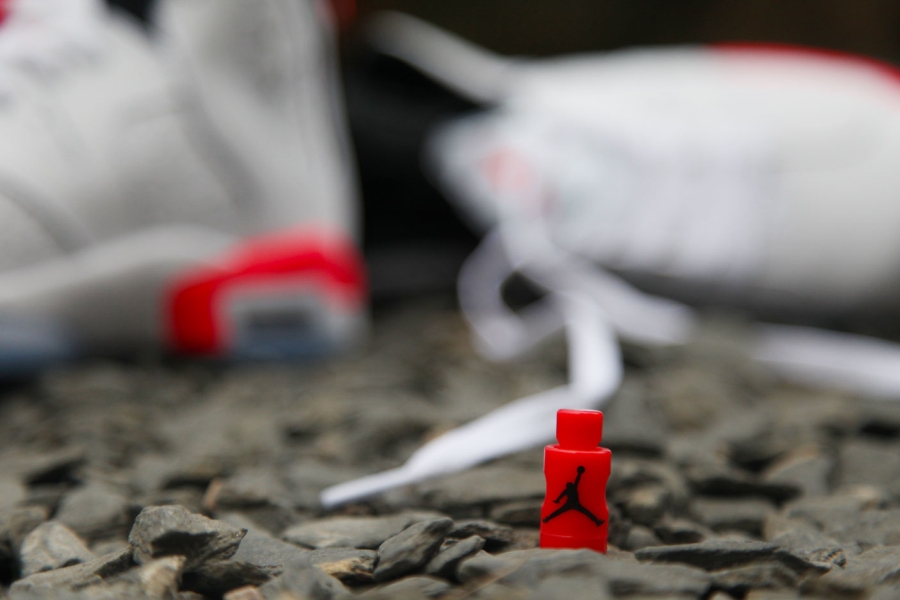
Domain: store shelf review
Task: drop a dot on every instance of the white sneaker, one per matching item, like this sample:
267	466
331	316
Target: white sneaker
763	177
153	193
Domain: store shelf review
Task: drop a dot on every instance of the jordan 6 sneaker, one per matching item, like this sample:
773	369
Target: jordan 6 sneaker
189	189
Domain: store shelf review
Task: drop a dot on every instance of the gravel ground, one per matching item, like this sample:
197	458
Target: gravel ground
195	481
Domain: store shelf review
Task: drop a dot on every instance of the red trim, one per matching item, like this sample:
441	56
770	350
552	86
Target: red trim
885	69
328	261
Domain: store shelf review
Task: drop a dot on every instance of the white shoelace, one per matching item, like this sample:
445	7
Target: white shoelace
44	36
593	306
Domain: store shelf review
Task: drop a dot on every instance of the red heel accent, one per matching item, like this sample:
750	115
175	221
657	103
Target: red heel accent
285	265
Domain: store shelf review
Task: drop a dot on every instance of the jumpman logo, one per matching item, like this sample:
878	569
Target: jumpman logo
572	501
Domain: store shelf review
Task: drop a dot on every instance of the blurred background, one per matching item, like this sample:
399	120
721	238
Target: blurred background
414	241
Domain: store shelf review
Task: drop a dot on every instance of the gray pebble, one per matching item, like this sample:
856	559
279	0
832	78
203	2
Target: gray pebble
735	514
739	580
682	531
571	588
353	532
634	579
76	576
458	493
96	511
525	513
812	546
15	524
248	592
495	535
167	530
868	462
451	554
52	545
417	586
270	554
718	555
869	528
718	480
808	468
640	537
350	565
527	568
215	577
481	564
411	549
880	565
647	504
304	581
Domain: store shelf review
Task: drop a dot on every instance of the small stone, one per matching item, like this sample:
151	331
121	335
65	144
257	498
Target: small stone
352	532
647	504
451	554
813	546
350	565
669	581
168	530
830	512
641	537
869	528
482	486
96	511
525	539
12	492
411	549
878	566
58	467
682	531
739	580
250	488
807	468
159	578
16	523
215	577
268	553
631	474
417	586
885	592
868	462
495	535
736	514
769	595
249	592
481	564
520	512
715	479
76	576
570	588
527	568
52	545
304	581
718	555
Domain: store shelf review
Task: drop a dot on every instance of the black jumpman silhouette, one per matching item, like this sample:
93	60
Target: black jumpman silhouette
572	502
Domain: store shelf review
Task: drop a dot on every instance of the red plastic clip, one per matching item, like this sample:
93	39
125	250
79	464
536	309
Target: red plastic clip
574	513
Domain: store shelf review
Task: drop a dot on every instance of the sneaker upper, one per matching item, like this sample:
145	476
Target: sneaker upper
261	82
751	174
101	149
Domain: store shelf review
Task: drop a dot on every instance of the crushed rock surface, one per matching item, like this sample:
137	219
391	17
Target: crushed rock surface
186	481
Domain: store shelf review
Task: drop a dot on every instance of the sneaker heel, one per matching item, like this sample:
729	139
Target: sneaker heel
292	294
